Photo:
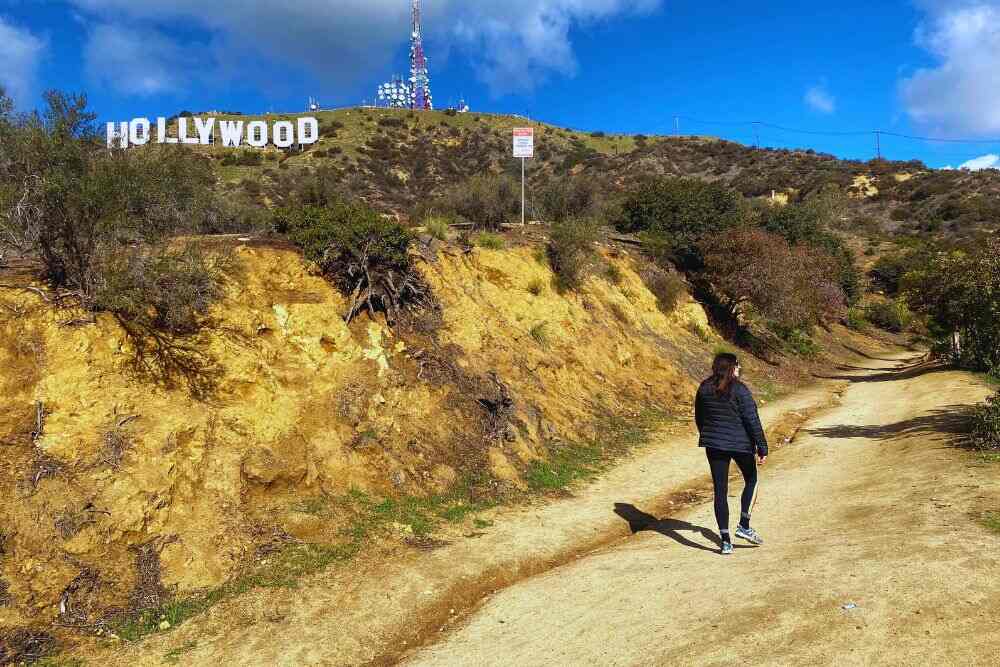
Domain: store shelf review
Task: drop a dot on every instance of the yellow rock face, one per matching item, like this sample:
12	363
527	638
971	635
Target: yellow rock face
303	405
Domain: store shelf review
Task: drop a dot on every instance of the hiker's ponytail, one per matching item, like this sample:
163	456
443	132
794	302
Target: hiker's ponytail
724	373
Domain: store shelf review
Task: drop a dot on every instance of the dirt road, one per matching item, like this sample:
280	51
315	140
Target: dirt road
870	506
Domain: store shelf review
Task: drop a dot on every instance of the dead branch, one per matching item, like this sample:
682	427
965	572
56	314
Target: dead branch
39	421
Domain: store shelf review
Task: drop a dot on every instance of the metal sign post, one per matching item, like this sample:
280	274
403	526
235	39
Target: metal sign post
524	147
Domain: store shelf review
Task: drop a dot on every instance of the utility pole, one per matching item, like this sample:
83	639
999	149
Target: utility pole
677	126
878	145
756	134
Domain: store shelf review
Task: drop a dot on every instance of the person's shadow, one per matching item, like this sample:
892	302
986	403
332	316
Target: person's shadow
639	521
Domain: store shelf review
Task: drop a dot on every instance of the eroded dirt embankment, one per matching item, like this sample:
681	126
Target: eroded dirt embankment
119	490
386	604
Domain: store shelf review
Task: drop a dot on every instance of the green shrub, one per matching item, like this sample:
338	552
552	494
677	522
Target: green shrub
363	253
986	425
855	319
242	158
674	214
536	287
490	241
438	227
614	274
391	122
570	248
892	315
801	343
82	210
960	294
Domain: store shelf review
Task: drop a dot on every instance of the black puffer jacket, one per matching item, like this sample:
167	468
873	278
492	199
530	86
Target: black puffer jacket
729	423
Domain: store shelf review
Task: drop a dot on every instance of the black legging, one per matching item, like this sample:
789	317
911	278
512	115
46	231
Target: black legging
719	460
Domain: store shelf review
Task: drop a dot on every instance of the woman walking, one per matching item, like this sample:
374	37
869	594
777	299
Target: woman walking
730	429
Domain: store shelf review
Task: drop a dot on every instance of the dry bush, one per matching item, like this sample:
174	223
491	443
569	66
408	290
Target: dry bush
570	249
486	201
792	287
666	286
365	255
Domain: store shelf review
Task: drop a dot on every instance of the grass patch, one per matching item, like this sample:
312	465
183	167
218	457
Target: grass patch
490	241
59	662
482	523
701	332
174	656
536	287
316	506
613	435
613	274
992	521
540	334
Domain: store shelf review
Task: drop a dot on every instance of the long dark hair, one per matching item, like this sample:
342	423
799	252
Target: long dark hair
724	373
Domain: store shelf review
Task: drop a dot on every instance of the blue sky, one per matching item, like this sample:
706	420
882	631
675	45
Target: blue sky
912	67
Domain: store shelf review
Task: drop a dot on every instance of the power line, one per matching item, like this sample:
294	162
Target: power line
827	133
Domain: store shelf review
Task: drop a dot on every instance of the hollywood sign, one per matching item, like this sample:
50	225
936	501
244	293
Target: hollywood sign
202	131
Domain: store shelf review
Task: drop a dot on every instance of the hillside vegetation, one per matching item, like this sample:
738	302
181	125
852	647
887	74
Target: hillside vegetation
192	415
393	158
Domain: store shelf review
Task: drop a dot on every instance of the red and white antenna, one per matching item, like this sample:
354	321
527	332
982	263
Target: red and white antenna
420	81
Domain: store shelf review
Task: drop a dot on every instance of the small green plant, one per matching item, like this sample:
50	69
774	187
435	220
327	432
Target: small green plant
482	523
992	521
490	241
614	274
540	334
892	315
855	319
438	228
701	332
986	425
801	343
536	287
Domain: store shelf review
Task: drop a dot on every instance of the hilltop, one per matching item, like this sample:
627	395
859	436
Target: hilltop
394	159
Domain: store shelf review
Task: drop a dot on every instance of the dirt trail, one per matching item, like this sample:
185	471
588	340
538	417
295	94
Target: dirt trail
870	505
847	508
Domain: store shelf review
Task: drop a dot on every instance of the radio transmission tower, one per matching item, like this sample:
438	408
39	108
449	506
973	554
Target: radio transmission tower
420	80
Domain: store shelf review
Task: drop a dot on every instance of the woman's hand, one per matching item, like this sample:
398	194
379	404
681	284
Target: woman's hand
761	460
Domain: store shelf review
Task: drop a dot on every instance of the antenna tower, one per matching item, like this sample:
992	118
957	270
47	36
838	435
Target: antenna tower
420	81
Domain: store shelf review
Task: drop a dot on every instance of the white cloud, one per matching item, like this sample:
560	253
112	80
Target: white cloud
819	99
20	53
513	44
990	161
137	61
960	95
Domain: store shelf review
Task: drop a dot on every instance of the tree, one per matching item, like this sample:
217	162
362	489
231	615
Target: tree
675	214
755	271
809	223
959	292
